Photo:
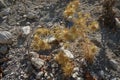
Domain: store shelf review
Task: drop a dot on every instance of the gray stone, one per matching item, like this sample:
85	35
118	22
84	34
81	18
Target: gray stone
5	37
113	64
37	62
114	79
31	15
101	73
4	49
54	65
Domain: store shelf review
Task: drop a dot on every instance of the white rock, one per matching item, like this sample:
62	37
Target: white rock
37	62
34	54
113	61
117	22
68	53
24	16
5	37
75	75
79	78
50	39
76	69
26	30
51	75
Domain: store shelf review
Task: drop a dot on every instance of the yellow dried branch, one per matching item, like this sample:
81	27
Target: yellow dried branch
65	62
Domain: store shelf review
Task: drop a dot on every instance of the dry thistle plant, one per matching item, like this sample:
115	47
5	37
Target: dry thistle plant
89	50
71	9
81	28
65	62
108	14
38	43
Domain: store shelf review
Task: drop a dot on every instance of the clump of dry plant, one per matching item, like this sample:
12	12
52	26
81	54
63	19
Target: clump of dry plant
71	8
65	62
89	50
38	43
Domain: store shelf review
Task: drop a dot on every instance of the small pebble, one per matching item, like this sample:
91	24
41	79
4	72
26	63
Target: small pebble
76	69
79	78
39	75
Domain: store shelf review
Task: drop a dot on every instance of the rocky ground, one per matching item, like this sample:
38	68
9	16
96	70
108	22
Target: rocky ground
18	62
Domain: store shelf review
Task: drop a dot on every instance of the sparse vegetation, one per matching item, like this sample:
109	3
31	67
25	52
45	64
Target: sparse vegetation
59	40
79	30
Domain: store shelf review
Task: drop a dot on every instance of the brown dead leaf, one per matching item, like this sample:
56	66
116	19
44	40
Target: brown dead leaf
88	76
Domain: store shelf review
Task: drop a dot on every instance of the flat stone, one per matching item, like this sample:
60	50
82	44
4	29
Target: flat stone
34	54
5	37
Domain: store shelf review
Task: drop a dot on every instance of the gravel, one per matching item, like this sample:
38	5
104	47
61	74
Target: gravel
20	63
